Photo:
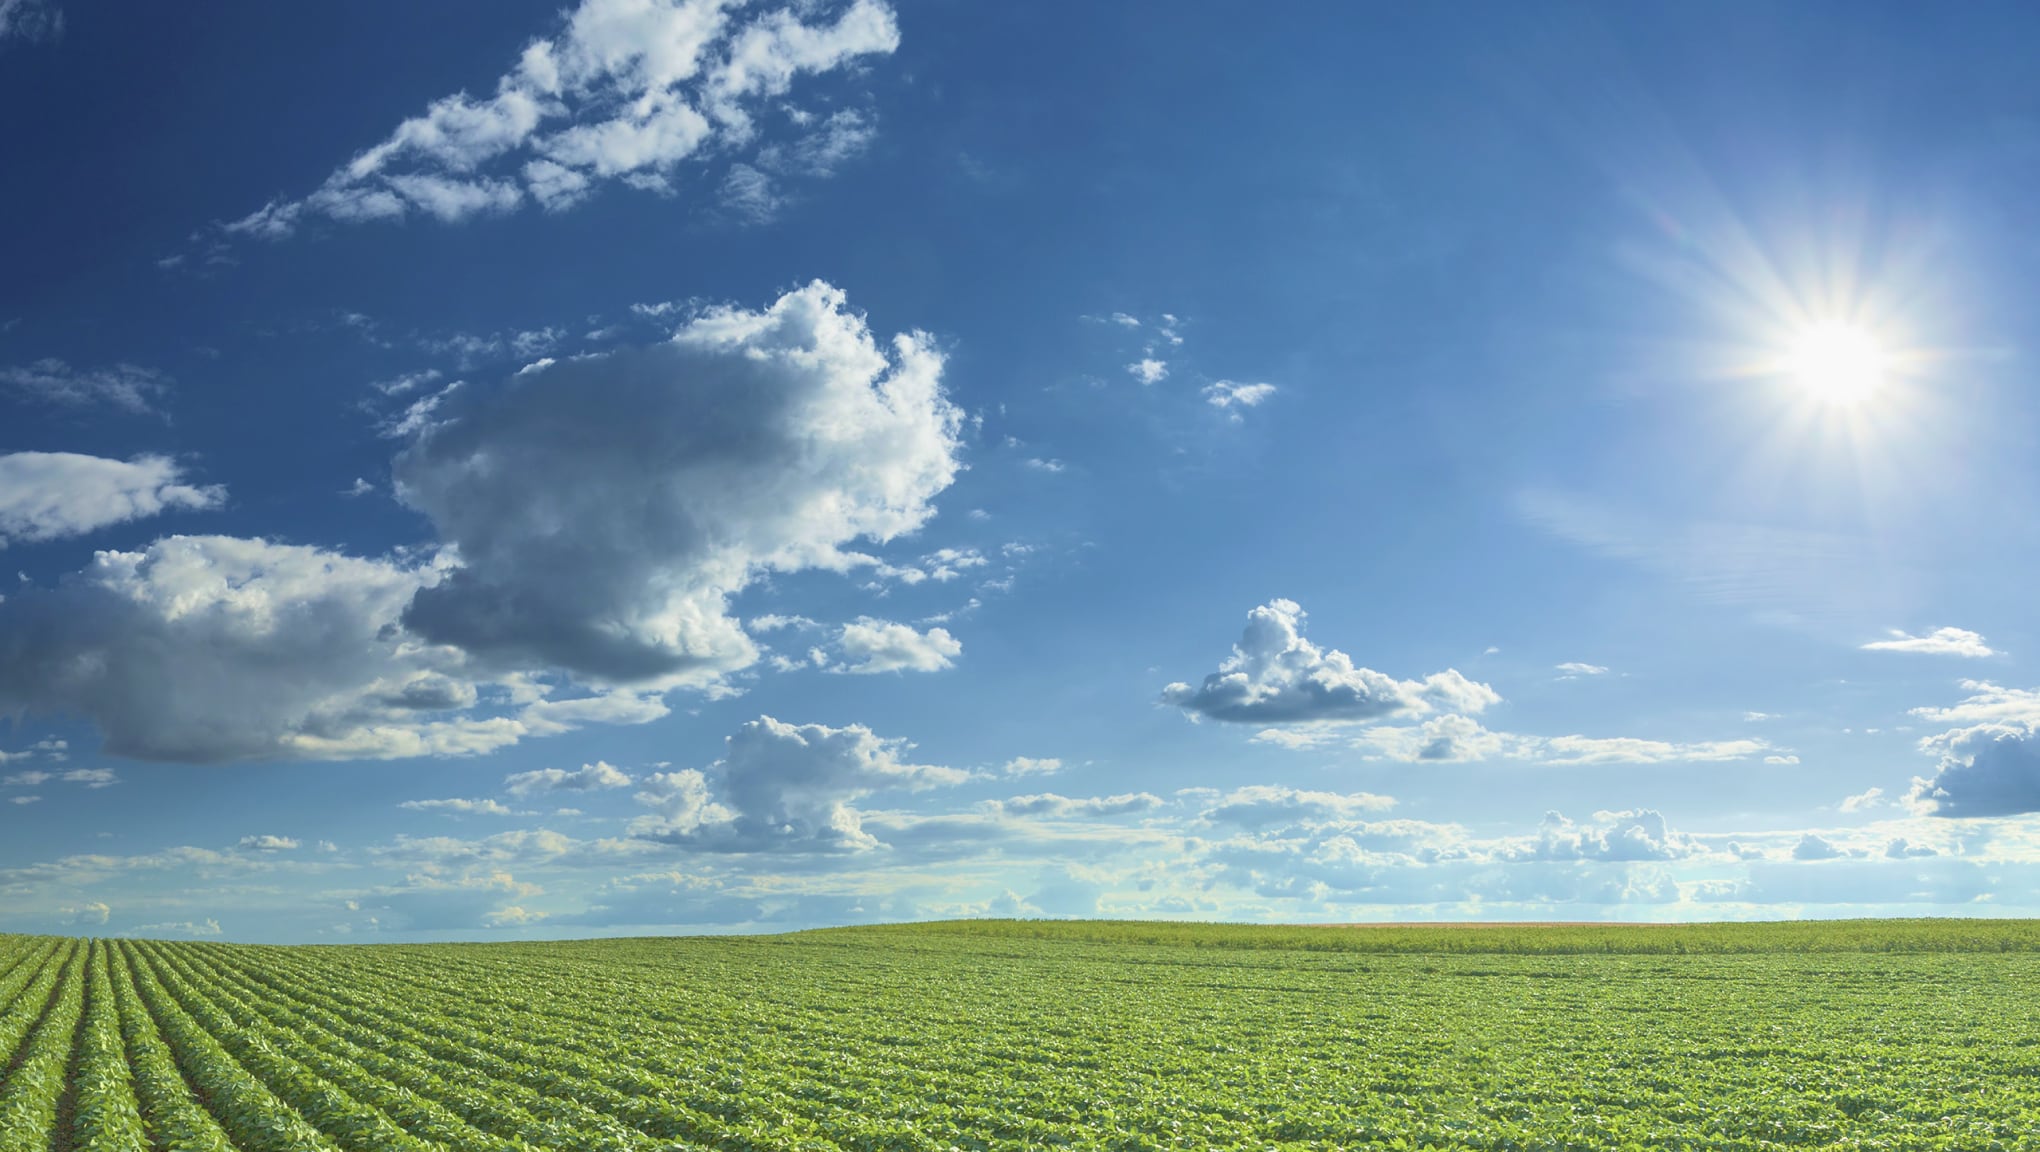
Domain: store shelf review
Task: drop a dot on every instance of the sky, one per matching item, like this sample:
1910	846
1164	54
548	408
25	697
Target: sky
495	469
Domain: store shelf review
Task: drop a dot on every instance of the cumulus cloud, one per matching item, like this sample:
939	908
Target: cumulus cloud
1574	669
50	495
587	778
1939	642
52	381
1813	846
266	843
1639	834
873	646
783	787
1990	763
628	90
1861	801
1277	676
1988	770
210	648
606	508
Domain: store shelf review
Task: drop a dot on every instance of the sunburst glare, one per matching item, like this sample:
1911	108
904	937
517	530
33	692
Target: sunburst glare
1838	364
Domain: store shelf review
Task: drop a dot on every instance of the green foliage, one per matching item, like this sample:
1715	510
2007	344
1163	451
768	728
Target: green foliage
1026	1035
1915	935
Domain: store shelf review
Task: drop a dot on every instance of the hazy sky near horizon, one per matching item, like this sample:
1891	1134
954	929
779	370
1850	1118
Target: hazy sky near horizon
495	469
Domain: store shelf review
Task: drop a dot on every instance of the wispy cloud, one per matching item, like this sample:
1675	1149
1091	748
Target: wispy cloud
1939	642
626	92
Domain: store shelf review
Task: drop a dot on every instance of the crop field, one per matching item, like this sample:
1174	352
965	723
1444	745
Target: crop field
1009	1035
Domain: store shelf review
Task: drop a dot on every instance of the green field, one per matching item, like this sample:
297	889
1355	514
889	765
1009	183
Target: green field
969	1035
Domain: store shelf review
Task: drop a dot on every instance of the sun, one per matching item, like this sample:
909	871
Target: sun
1838	364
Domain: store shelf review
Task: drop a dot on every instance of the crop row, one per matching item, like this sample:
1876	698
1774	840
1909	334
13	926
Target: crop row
975	1042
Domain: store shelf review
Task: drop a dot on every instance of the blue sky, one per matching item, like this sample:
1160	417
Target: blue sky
499	469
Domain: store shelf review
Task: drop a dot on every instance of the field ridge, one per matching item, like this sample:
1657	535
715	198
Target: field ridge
1110	1036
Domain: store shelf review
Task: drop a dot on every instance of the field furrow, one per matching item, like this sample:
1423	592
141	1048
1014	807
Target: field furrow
347	1121
417	1112
174	1113
990	1042
36	1080
501	1108
256	1118
101	1113
549	1082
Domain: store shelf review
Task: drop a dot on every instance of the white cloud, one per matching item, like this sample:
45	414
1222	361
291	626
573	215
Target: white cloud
459	807
94	778
629	90
50	495
266	843
1260	806
1232	395
52	381
408	382
1148	370
1042	465
1050	805
587	778
1813	846
207	927
874	646
1276	676
1939	642
750	194
1030	766
606	509
1573	670
94	912
31	20
1441	739
783	787
1453	738
1628	750
1862	801
1639	834
1988	703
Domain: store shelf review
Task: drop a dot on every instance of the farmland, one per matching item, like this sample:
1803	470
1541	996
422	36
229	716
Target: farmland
976	1035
